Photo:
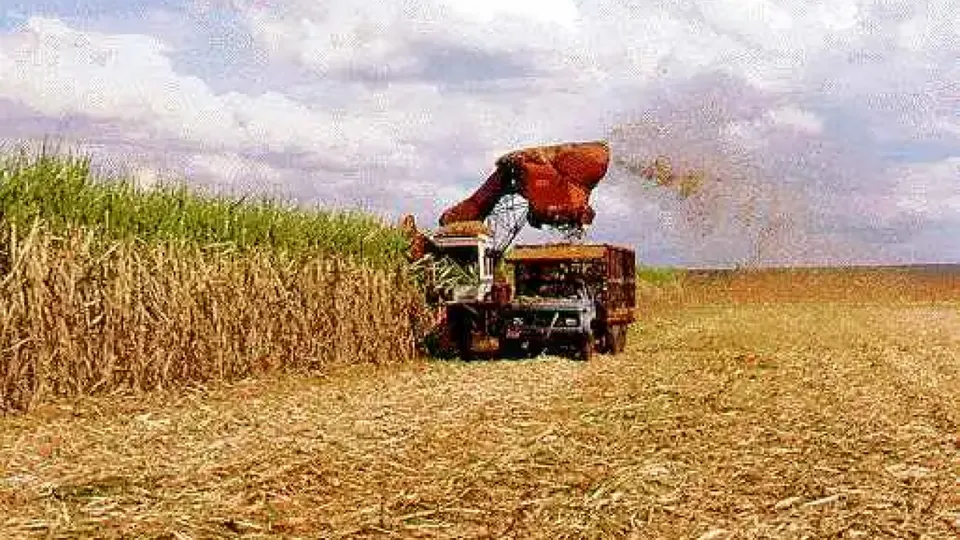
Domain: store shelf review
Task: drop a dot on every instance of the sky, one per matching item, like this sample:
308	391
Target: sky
830	130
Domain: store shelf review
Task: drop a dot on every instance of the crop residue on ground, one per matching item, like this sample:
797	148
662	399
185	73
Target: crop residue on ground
729	419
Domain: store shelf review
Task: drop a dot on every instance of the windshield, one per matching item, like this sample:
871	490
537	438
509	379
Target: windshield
555	280
540	287
569	290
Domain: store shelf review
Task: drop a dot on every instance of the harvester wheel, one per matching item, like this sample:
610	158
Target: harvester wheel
509	349
461	326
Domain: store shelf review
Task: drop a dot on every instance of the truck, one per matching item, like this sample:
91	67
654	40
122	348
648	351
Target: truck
577	298
568	297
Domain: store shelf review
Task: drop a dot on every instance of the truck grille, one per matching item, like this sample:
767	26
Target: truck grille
540	319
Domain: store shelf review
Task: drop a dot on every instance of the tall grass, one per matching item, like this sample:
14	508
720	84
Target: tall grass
105	287
658	289
659	275
60	189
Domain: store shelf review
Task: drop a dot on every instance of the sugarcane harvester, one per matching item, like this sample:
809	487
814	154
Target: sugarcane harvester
566	296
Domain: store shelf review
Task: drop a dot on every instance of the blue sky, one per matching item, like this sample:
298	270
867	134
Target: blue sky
835	125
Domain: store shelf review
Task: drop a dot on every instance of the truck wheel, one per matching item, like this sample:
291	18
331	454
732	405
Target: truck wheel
620	344
608	341
585	351
611	340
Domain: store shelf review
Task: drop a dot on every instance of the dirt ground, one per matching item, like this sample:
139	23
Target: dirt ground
724	420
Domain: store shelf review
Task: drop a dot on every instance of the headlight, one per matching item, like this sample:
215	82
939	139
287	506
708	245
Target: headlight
517	321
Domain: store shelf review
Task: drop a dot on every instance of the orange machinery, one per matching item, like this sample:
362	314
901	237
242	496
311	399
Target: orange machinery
555	180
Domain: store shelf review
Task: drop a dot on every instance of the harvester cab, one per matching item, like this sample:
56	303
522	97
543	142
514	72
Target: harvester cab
469	246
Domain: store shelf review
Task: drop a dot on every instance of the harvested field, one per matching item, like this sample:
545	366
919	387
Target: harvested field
667	290
723	420
868	285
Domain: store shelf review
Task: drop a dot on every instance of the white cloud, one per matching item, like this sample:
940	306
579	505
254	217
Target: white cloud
799	119
761	22
950	126
336	36
145	178
930	189
933	28
412	101
60	71
559	12
231	167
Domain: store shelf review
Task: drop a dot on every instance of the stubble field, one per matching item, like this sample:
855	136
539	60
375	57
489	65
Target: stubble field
746	406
